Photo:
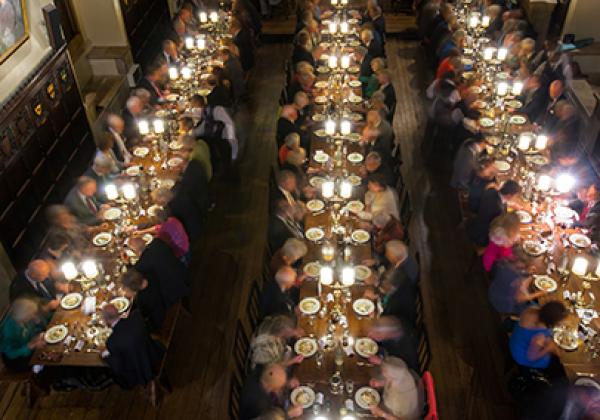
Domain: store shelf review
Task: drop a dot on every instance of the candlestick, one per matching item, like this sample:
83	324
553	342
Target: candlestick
541	141
579	267
128	191
517	88
485	21
332	28
90	269
203	17
564	183
502	89
328	252
189	43
502	53
214	17
330	127
345	61
344	2
544	183
473	21
201	43
344	27
143	127
345	189
159	126
524	142
334	2
488	53
186	73
69	270
332	61
348	276
173	73
326	276
327	189
345	127
111	192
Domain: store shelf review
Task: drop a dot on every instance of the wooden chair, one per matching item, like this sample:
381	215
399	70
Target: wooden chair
405	210
235	394
424	349
252	307
241	345
419	320
400	184
431	412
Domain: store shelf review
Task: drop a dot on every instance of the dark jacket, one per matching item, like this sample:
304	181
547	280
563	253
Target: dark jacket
275	302
279	232
243	40
285	127
21	287
491	206
154	95
183	208
301	54
79	209
401	302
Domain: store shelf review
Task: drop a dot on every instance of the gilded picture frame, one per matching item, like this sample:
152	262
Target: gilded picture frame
14	27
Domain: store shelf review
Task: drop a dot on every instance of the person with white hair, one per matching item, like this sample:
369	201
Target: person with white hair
373	50
102	170
281	296
286	124
116	127
396	338
21	333
403	395
292	251
133	110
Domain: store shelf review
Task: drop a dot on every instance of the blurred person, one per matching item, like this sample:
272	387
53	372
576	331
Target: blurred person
505	231
280	296
292	251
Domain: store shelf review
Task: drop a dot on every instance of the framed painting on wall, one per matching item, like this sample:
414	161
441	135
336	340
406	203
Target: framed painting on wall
14	28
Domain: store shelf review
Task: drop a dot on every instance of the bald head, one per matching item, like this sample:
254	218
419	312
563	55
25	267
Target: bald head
289	112
137	244
38	270
273	378
285	277
556	89
110	313
116	123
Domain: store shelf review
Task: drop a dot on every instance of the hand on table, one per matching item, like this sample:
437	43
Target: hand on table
298	332
296	360
376	383
375	360
37	342
370	294
295	411
293	383
62	287
53	304
377	412
369	262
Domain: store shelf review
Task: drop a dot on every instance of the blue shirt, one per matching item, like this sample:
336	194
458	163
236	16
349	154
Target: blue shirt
520	340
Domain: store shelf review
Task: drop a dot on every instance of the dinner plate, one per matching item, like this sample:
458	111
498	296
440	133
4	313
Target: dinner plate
502	76
175	145
353	69
112	213
174	162
204	92
360	236
355	206
356	117
367	397
579	240
316	181
564	213
320	133
475	90
148	238
216	63
321	100
355	157
534	248
353	137
479	104
302	396
355	99
56	334
153	209
71	301
205	76
133	171
468	75
172	97
363	307
167	183
502	165
467	62
514	104
321	84
322	69
354	43
355	180
486	122
312	269
319	117
325	45
141	152
315	234
362	272
100	338
524	216
161	113
315	205
352	21
321	157
366	347
121	303
566	339
102	239
354	83
492	140
306	346
517	120
538	160
309	306
545	283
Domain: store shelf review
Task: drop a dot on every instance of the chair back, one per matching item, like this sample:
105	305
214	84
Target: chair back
241	346
253	307
424	349
431	412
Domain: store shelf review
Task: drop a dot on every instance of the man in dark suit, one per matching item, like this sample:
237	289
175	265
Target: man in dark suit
280	296
116	127
170	53
555	95
235	74
396	338
35	282
152	81
492	205
287	185
82	202
148	299
385	82
130	352
374	165
534	98
194	184
302	50
133	109
100	172
282	225
286	124
242	38
159	266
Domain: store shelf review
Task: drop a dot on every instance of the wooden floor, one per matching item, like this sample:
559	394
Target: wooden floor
230	254
467	346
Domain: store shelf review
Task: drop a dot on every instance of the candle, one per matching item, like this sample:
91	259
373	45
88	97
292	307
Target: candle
345	61
541	141
143	127
111	191
564	183
189	43
485	21
524	142
173	73
203	17
348	276
517	88
598	269
346	189
186	73
473	21
327	189
90	269
332	28
69	270
502	53
159	126
344	27
201	43
502	89
488	53
214	17
330	127
544	183
128	191
334	2
326	275
579	267
332	61
345	127
344	2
